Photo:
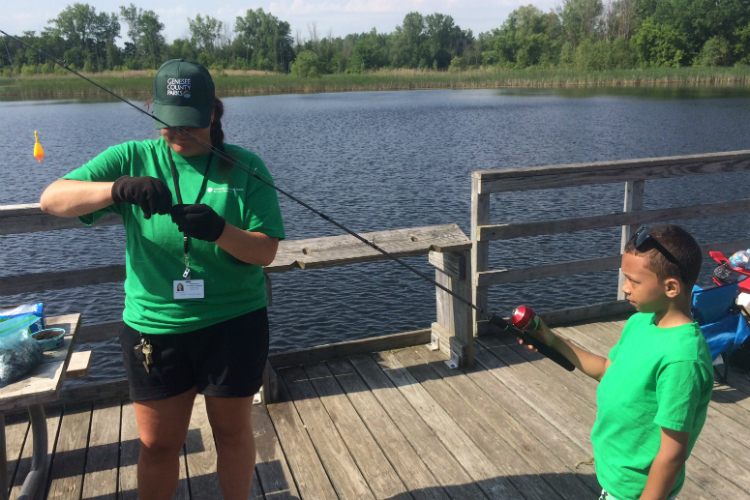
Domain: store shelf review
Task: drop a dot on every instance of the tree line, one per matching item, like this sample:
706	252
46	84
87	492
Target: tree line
578	34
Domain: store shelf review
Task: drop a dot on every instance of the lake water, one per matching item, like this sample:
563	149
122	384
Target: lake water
387	160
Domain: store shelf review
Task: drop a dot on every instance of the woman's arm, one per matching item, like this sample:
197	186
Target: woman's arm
247	246
67	198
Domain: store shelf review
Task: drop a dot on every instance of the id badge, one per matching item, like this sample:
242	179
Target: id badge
188	289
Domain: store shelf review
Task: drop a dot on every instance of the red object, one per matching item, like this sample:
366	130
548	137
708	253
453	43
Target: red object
524	318
720	258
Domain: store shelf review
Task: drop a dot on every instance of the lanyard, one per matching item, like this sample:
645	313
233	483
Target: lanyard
176	181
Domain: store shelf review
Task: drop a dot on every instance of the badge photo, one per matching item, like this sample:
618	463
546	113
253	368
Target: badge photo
188	289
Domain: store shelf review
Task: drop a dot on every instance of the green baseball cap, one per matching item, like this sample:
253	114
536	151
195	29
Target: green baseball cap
183	95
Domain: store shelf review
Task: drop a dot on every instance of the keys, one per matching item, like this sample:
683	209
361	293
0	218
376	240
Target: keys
147	354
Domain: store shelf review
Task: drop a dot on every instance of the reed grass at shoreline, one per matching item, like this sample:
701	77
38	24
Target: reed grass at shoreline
137	84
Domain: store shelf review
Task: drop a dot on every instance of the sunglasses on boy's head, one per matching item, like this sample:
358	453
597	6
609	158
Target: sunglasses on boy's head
642	236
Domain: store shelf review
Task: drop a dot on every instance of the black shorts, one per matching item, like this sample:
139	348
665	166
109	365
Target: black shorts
223	360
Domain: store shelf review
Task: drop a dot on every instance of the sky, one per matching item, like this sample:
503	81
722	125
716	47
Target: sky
339	17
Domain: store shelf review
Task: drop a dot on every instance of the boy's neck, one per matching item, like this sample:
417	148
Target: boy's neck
677	313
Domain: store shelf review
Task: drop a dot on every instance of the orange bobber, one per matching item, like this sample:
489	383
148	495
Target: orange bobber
38	151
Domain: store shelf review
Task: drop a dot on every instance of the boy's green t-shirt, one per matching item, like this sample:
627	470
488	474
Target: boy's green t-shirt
154	255
659	377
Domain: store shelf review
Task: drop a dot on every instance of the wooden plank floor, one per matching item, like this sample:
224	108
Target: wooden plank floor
398	425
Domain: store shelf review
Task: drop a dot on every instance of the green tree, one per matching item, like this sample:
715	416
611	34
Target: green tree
659	44
444	39
410	42
458	64
181	49
75	24
717	51
75	57
700	20
265	40
145	31
591	56
306	65
368	53
106	28
149	29
623	56
621	19
204	32
80	25
114	57
742	45
131	16
528	37
580	19
31	57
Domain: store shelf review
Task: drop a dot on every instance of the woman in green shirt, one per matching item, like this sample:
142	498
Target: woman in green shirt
195	318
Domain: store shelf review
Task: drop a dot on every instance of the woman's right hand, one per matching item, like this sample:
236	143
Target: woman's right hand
149	193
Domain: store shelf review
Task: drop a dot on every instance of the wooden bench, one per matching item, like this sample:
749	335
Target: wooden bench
42	385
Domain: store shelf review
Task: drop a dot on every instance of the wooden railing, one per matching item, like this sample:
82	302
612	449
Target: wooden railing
462	264
634	173
447	246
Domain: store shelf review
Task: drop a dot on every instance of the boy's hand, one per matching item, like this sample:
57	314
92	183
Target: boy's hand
666	465
592	365
543	333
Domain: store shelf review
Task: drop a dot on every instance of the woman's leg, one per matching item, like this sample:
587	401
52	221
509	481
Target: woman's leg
235	445
162	427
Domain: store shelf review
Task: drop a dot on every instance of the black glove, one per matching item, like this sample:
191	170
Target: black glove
149	193
198	221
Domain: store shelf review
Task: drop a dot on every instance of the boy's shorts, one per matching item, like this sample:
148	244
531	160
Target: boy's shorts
224	360
607	496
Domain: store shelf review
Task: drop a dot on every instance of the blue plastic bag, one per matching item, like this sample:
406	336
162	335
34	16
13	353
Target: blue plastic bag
19	352
24	309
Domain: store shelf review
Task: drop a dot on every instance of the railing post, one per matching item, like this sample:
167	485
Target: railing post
633	203
453	332
269	390
480	216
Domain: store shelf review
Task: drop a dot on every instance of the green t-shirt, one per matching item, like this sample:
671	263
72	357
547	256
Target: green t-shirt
154	255
659	377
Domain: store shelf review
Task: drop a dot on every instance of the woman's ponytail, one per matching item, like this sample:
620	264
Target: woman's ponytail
217	134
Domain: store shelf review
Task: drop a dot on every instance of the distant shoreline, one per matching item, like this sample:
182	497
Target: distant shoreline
137	84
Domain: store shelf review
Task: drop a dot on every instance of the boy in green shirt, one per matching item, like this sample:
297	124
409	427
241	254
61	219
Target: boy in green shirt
652	403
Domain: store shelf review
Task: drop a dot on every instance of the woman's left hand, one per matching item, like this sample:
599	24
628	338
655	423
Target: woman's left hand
198	221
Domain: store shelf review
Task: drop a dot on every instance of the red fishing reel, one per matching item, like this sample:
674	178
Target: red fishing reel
524	318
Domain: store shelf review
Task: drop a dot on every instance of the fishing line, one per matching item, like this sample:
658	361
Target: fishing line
229	159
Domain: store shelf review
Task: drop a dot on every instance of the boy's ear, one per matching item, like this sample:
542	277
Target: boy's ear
672	287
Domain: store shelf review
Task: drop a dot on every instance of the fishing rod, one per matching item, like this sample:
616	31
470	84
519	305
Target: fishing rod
493	318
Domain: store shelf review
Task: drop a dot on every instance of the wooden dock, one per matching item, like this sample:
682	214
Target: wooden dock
398	424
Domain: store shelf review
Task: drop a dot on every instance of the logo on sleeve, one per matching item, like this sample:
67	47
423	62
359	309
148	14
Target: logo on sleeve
179	87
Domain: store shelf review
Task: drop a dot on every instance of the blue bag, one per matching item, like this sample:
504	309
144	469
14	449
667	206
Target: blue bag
22	310
19	352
